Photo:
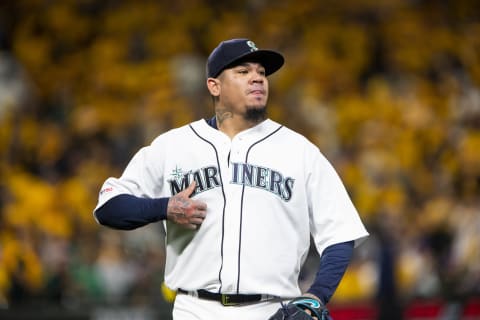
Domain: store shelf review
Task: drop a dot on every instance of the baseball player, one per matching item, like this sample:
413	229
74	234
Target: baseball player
239	196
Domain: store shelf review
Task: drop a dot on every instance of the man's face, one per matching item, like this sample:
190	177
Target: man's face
244	89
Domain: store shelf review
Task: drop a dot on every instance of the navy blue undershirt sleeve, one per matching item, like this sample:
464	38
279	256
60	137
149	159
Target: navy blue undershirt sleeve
333	264
127	212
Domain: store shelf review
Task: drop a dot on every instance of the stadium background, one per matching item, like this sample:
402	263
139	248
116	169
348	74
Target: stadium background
389	90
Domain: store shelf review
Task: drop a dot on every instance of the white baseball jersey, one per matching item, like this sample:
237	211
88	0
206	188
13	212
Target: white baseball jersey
266	191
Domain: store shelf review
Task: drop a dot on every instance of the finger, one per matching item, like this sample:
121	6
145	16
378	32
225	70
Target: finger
199	205
196	221
199	214
191	226
310	313
191	188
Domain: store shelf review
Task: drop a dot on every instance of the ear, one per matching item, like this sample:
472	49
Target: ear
213	85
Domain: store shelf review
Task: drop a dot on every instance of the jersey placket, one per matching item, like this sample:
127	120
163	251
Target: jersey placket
232	221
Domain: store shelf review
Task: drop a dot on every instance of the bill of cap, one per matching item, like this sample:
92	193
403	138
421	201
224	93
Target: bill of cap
270	60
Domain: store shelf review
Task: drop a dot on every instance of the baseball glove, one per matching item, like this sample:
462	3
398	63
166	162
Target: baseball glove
295	310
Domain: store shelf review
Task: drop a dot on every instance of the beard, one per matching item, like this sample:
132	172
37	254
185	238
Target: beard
255	114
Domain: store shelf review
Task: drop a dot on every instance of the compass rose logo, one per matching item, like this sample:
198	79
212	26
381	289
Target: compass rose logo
252	45
178	173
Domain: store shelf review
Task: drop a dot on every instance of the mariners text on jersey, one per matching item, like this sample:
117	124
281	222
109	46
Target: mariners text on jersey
245	174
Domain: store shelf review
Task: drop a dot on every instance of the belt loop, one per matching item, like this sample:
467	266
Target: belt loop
193	293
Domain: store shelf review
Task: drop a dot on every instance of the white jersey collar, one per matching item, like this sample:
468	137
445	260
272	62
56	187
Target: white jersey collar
203	128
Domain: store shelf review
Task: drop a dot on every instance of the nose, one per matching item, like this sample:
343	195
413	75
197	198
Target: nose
258	77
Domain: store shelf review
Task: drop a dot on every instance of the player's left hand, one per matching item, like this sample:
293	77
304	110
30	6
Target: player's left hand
323	311
302	308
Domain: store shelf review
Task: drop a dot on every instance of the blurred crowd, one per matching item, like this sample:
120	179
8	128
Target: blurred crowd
389	91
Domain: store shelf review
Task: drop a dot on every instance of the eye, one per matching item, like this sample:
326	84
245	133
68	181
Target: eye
243	71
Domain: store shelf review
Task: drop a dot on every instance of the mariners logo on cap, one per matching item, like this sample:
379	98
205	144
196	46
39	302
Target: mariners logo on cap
252	45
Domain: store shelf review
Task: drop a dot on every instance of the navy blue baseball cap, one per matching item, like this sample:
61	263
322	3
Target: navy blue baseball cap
232	52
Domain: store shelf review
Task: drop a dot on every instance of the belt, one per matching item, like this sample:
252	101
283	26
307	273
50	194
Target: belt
228	299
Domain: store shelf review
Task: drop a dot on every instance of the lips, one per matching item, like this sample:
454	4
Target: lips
257	92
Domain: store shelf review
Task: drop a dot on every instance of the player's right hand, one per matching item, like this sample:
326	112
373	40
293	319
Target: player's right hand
185	211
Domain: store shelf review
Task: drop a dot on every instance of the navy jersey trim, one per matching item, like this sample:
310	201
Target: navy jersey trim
241	205
224	204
